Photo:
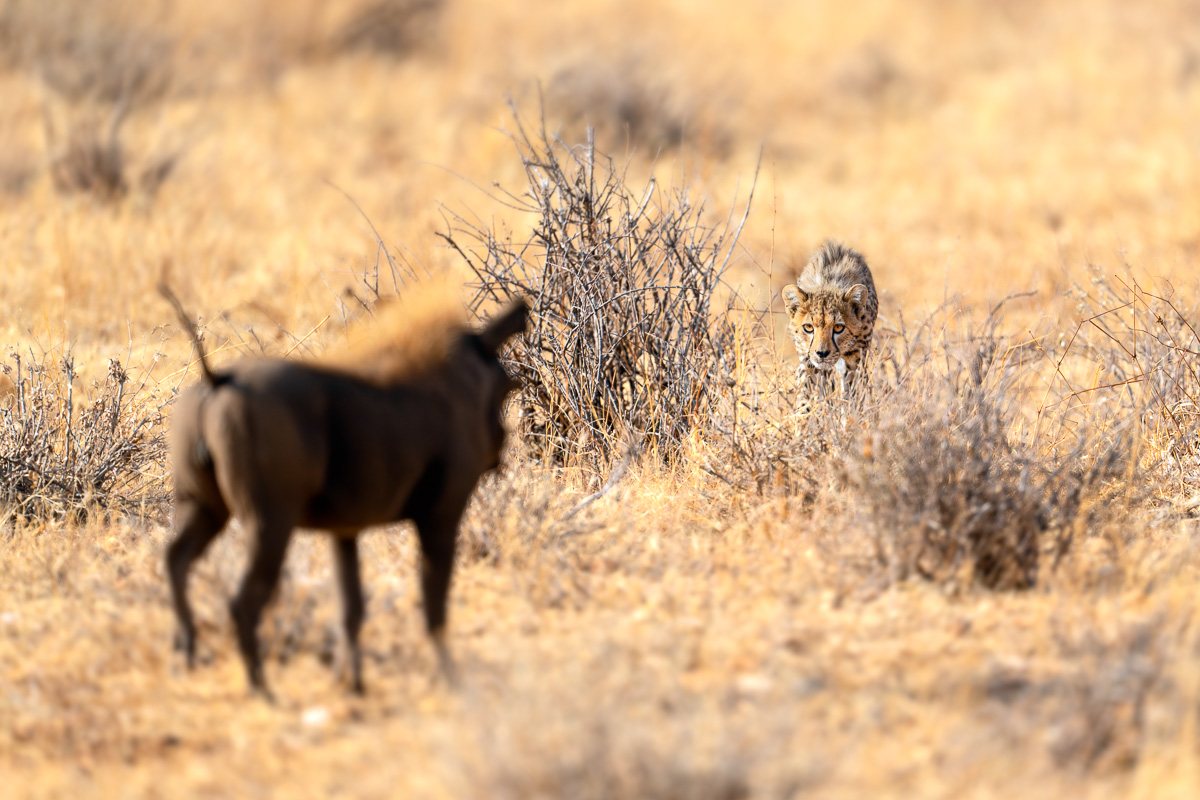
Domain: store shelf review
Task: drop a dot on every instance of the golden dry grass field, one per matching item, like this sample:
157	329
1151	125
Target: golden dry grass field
754	616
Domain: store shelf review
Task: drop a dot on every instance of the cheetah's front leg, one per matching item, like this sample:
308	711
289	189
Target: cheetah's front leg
806	380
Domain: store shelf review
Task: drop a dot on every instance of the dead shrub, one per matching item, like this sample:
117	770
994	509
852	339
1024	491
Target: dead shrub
867	74
606	776
87	51
948	493
630	339
960	489
99	67
1138	349
64	459
1095	715
390	27
92	159
871	80
626	104
953	450
106	64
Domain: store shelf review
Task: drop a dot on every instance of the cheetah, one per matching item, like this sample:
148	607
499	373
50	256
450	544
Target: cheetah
831	315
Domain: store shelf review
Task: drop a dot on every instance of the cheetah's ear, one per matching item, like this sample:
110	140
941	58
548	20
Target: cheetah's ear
793	298
856	296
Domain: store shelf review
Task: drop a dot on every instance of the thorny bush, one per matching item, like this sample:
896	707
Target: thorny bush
65	459
630	339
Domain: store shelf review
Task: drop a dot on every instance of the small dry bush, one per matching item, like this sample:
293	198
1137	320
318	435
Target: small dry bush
393	28
87	51
1141	349
107	64
92	159
99	65
629	338
954	497
974	469
1097	716
627	103
66	459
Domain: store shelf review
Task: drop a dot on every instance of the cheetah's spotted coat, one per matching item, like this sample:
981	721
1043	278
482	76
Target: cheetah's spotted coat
831	315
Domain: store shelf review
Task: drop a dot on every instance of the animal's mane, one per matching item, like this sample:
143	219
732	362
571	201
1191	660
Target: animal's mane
405	337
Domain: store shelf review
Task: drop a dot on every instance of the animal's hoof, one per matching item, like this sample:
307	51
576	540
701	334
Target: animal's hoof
445	661
352	678
263	693
349	673
258	684
186	644
449	672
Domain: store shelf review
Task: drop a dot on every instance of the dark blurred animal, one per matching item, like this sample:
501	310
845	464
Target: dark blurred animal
399	431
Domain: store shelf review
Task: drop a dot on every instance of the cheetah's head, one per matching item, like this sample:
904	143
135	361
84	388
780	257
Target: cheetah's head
827	324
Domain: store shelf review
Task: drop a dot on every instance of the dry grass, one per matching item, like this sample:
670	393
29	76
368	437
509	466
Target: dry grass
789	607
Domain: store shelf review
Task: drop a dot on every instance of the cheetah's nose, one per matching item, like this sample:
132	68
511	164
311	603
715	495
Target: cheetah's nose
822	353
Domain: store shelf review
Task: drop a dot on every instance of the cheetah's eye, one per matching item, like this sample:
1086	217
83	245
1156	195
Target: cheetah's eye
808	328
839	328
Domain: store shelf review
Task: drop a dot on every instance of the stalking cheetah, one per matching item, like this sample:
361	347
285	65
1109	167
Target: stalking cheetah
831	314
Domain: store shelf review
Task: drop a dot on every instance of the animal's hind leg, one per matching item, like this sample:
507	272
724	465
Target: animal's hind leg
353	607
197	526
270	543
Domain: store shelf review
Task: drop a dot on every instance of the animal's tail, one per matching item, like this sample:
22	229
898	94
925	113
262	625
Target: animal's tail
209	376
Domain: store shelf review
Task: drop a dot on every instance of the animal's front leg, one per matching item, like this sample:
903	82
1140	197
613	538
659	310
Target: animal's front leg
438	534
807	378
851	373
353	605
843	381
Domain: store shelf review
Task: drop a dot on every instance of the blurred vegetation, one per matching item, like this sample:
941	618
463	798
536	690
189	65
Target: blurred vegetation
785	606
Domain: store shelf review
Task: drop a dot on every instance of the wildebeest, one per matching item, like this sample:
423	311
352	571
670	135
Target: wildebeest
340	446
